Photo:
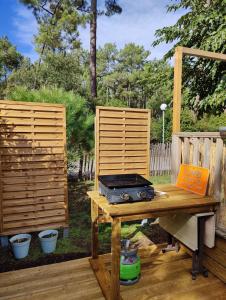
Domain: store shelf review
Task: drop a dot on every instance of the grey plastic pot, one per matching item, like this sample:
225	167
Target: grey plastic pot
20	249
48	244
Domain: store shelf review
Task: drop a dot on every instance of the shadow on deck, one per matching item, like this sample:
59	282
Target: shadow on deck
164	276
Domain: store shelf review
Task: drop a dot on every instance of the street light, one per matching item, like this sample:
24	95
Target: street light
163	107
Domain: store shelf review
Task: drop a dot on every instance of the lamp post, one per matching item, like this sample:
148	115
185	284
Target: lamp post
163	107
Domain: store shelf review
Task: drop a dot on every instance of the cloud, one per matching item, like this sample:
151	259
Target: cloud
137	23
25	27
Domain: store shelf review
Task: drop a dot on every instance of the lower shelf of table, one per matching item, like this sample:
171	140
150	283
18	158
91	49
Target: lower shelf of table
163	276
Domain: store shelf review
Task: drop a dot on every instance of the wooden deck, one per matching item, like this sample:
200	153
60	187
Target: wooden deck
164	276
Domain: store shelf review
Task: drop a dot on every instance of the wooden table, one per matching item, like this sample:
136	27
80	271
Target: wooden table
174	201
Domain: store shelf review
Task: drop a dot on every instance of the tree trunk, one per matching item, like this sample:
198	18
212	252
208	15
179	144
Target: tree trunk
93	39
80	173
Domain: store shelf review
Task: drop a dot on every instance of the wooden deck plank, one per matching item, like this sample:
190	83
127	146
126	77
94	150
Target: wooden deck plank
164	276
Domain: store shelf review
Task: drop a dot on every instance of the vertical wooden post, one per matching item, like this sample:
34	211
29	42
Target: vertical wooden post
177	89
1	196
65	168
96	148
176	157
207	146
195	151
148	145
186	151
218	169
224	174
115	261
94	229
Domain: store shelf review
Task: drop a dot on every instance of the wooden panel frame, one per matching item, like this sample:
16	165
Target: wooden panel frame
179	52
33	167
120	131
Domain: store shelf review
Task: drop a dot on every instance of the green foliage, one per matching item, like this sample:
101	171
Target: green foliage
68	71
10	59
164	179
203	27
79	119
189	123
58	23
211	123
129	75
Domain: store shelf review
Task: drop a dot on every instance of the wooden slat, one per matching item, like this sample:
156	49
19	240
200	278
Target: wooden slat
29	151
31	186
120	121
33	200
20	105
33	171
27	121
32	165
122	141
8	113
38	172
206	161
27	129
115	159
34	222
140	153
195	160
127	171
135	147
34	158
121	166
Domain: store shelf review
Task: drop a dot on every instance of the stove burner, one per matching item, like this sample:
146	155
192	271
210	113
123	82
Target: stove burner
124	188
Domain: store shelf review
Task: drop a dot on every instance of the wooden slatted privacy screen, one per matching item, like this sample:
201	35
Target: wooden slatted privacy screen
122	141
33	171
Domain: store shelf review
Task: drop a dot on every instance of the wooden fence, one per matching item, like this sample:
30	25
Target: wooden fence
33	173
160	162
204	149
160	155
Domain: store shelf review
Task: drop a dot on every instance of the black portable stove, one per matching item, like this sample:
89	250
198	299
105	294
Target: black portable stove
125	188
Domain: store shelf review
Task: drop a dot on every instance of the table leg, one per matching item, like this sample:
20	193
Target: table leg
94	229
197	256
115	259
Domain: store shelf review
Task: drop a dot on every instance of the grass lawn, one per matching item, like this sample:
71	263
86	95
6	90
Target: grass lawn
79	242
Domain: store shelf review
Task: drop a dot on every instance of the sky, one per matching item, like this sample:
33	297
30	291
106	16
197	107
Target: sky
137	23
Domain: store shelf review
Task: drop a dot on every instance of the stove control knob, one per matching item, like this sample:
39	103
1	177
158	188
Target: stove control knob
142	195
125	196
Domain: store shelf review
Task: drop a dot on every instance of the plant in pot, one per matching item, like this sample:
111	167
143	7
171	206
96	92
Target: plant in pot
20	244
48	240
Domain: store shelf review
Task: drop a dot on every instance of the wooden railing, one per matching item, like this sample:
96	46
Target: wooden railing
204	149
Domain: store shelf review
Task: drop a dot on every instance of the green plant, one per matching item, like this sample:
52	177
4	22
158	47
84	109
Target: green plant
79	119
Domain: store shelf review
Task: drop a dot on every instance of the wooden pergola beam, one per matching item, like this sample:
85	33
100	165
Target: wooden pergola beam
179	52
203	54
